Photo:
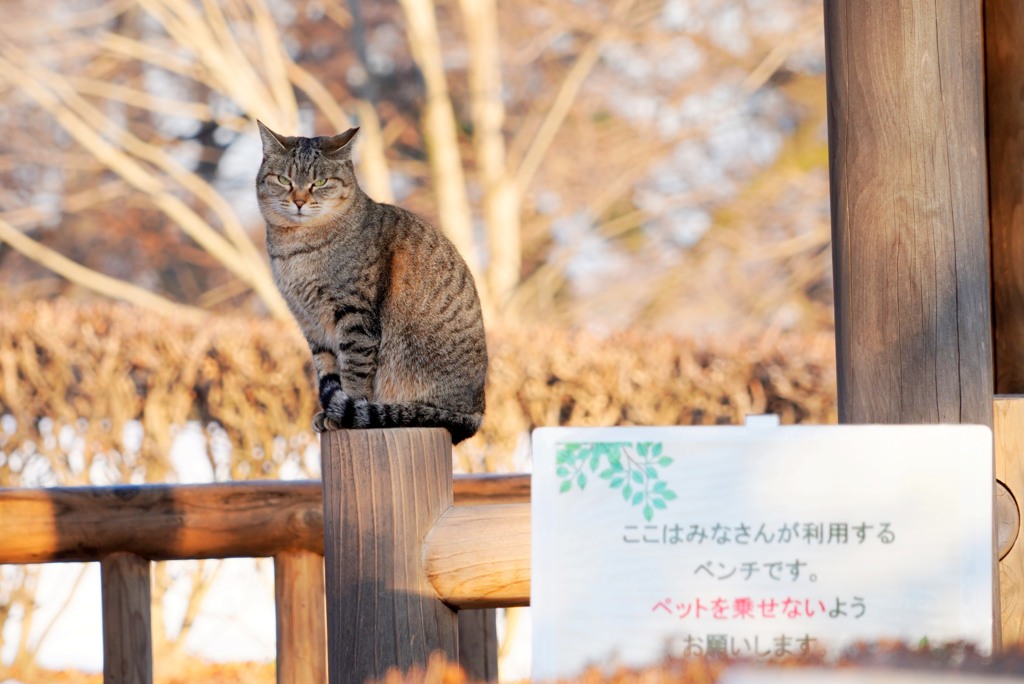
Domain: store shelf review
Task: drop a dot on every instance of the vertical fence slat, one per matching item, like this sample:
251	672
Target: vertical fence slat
301	620
478	644
383	492
127	630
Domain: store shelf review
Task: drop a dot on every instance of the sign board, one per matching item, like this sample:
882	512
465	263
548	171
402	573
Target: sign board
756	542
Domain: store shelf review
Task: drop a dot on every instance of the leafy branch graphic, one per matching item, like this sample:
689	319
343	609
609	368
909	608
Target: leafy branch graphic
631	468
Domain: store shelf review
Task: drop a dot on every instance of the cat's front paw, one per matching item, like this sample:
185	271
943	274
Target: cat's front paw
321	423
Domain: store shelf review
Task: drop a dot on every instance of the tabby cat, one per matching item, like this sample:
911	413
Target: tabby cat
388	306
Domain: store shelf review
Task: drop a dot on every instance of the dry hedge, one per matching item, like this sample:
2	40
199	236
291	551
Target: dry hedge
77	380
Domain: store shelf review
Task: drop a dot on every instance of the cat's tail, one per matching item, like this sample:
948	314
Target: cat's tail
345	412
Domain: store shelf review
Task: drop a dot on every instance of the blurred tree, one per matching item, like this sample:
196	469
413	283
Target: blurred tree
565	147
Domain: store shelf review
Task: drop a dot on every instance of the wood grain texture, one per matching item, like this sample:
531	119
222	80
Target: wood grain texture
478	644
301	619
383	492
1009	440
1004	90
909	211
477	490
161	522
168	522
479	556
127	629
910	239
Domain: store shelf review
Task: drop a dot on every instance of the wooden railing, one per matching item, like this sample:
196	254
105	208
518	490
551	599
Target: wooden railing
473	555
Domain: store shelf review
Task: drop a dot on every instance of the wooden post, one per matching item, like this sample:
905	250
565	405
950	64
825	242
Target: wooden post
301	621
1004	85
909	212
127	633
478	644
383	492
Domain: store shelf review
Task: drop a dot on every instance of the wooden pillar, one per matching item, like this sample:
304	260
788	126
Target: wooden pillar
127	629
1004	85
909	212
301	621
383	492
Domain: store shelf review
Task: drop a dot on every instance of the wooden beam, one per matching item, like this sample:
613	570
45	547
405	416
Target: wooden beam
164	522
301	620
169	522
127	629
1004	89
383	492
909	211
479	556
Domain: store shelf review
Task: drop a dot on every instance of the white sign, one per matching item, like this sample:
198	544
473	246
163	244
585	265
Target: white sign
756	541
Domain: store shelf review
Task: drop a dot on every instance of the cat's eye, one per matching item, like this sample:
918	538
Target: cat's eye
320	182
283	180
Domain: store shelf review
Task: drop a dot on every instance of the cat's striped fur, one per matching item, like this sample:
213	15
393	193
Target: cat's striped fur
388	306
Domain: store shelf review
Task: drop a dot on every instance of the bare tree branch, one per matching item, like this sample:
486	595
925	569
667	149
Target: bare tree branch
86	277
439	132
501	193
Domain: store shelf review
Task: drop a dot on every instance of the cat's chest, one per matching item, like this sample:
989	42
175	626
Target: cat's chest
306	285
314	286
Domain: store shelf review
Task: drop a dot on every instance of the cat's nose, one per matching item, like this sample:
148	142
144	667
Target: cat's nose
299	203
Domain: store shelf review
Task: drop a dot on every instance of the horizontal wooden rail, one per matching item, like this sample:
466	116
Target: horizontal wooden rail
170	522
479	556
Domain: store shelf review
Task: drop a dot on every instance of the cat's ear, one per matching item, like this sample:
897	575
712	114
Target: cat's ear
272	142
337	147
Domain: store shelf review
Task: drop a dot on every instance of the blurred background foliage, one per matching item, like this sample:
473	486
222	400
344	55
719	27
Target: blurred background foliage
640	187
603	163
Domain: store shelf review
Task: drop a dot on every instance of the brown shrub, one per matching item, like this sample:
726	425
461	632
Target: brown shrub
72	377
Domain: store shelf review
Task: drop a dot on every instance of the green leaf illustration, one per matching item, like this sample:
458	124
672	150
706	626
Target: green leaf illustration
633	467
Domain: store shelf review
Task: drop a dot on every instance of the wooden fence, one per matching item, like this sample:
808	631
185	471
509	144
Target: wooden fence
406	564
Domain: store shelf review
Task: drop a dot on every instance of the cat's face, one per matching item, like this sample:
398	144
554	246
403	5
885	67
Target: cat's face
304	181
